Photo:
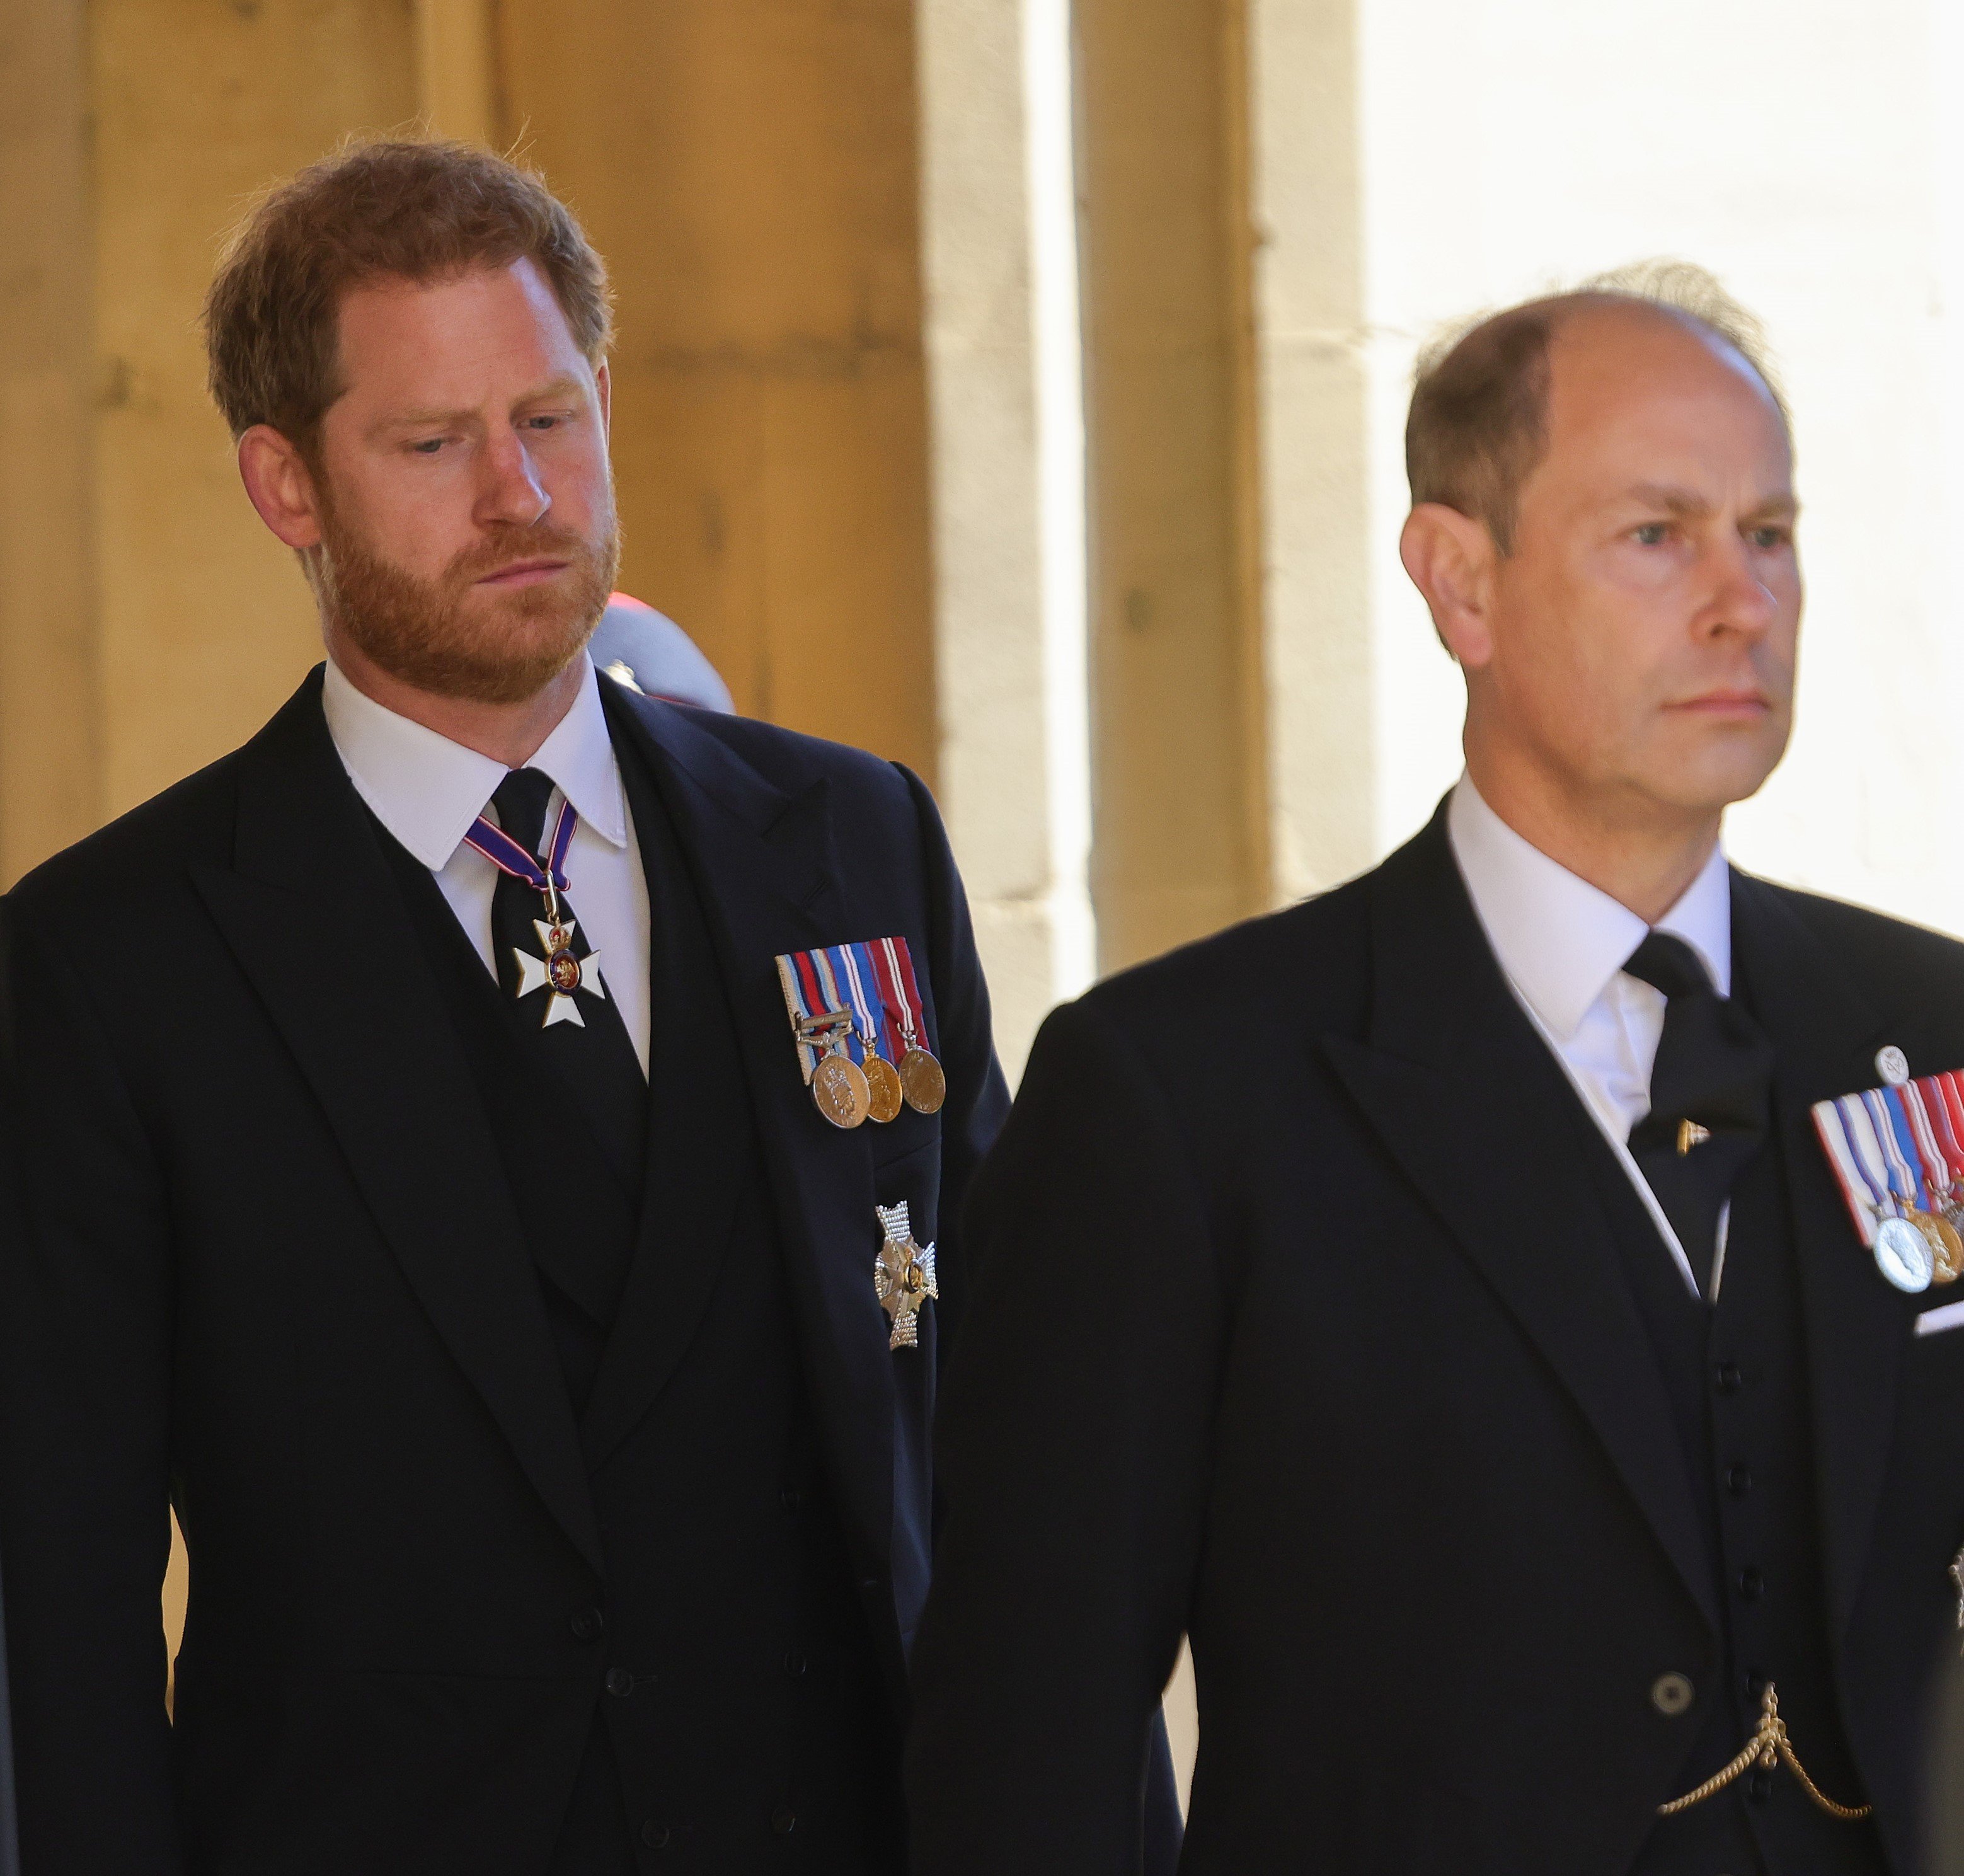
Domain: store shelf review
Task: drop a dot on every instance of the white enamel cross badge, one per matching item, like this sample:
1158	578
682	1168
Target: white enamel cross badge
559	971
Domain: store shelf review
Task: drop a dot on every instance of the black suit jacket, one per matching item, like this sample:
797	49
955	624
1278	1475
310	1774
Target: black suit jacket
271	1272
1296	1324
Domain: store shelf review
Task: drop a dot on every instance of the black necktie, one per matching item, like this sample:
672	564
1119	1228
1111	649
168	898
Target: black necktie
594	1055
1709	1099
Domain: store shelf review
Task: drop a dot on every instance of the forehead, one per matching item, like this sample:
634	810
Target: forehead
486	327
1637	389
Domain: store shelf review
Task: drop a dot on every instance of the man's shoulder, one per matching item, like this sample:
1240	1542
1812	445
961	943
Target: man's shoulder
1872	950
788	759
1308	966
188	824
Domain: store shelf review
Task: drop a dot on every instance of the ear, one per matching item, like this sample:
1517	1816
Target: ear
1450	557
603	383
280	486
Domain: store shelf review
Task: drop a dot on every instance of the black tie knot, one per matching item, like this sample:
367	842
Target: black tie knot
1668	964
520	801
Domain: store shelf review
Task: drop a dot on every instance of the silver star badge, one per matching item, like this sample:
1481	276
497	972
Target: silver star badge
559	971
902	1276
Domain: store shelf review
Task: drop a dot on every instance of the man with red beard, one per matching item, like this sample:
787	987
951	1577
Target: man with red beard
424	1191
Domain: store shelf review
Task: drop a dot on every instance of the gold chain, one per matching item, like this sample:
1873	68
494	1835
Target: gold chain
1767	1747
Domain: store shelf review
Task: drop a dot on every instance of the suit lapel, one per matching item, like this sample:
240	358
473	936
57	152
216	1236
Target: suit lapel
1497	1152
1856	1328
314	918
763	862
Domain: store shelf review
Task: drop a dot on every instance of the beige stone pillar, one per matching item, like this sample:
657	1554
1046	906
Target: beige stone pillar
1313	395
457	89
50	779
999	263
206	625
1179	788
747	167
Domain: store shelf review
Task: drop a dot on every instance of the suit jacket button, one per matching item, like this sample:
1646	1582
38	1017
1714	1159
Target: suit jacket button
1672	1695
587	1625
1752	1583
655	1834
783	1820
791	1498
795	1665
620	1683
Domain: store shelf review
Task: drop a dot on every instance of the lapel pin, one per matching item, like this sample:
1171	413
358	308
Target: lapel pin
902	1275
1690	1134
1892	1065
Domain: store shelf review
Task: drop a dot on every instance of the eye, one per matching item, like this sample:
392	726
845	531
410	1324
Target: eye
1652	533
427	445
1769	539
546	421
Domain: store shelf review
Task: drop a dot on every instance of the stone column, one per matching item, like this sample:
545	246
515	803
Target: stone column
1180	817
998	266
1314	394
50	762
457	89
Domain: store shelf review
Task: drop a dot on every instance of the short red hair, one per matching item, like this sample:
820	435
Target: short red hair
421	211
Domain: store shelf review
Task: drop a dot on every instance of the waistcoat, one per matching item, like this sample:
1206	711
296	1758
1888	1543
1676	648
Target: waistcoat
740	1722
1735	1374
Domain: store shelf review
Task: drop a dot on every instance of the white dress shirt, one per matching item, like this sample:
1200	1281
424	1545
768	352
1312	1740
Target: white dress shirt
1561	944
427	791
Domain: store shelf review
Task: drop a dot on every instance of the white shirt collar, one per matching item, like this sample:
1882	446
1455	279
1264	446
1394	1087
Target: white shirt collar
1561	940
427	790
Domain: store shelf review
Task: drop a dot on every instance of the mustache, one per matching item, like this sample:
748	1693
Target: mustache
536	541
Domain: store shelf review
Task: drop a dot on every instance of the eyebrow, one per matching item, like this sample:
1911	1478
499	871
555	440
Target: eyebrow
560	386
1684	502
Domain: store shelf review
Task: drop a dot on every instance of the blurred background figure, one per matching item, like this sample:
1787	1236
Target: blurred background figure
635	645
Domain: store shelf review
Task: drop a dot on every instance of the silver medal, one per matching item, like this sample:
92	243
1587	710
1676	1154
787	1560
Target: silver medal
1903	1255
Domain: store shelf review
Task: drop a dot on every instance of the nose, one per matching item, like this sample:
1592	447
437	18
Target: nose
1741	601
511	492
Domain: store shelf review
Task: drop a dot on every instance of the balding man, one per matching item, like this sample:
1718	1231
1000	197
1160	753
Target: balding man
1438	1298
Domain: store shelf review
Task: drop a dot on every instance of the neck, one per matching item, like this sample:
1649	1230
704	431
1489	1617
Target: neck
1644	858
509	732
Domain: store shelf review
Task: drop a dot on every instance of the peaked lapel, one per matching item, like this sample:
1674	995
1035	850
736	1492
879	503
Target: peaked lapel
1825	1035
309	898
763	862
1474	1106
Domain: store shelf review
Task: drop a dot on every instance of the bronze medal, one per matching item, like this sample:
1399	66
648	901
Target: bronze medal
883	1091
922	1080
839	1092
1947	1246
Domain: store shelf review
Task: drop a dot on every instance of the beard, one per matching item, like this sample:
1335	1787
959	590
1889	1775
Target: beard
504	649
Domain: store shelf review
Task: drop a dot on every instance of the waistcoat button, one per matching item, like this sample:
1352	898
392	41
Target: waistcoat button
1729	1379
588	1624
655	1834
1739	1480
783	1820
620	1683
1752	1583
1672	1695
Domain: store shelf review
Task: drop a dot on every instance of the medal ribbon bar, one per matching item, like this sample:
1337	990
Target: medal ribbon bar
866	988
1894	1148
